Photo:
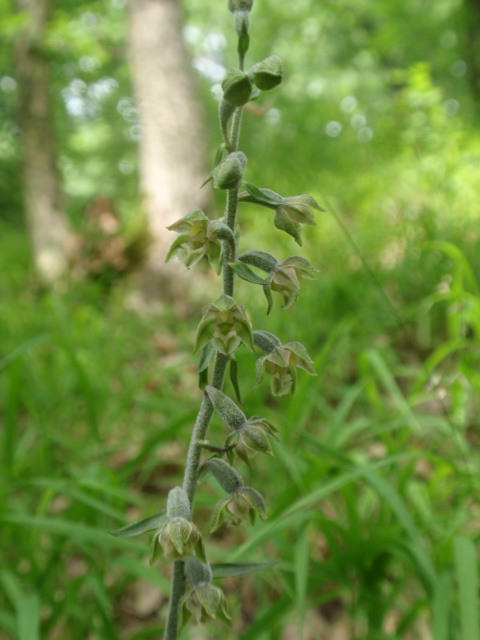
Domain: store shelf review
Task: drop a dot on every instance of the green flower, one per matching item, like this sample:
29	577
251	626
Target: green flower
250	439
285	278
241	505
198	238
178	538
294	211
281	364
226	324
205	602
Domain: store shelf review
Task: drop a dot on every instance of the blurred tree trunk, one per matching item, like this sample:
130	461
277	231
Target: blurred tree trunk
172	143
46	221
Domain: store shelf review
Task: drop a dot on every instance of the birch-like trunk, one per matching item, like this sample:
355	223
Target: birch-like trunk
172	145
46	221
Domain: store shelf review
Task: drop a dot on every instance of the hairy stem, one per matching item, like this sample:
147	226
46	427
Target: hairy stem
206	408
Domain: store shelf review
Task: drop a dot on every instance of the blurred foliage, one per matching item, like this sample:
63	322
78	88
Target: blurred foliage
378	522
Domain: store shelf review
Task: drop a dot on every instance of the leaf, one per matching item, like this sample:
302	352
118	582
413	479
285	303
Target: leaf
244	272
136	528
234	379
301	563
229	569
466	564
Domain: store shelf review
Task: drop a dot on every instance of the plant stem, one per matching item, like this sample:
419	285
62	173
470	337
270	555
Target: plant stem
205	412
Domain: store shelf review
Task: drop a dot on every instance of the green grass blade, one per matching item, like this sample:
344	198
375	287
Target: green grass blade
442	600
28	614
301	564
466	566
77	533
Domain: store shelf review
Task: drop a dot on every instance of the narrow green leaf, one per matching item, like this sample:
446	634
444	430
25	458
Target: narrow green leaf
466	566
301	563
228	569
141	526
76	533
441	608
28	617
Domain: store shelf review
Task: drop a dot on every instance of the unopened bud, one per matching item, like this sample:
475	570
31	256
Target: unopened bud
237	87
229	173
268	73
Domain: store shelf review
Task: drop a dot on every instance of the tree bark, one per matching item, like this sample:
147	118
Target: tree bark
46	221
172	145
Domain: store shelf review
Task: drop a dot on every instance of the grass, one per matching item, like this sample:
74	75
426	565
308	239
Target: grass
371	494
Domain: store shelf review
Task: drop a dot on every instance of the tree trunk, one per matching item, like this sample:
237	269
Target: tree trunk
46	222
172	144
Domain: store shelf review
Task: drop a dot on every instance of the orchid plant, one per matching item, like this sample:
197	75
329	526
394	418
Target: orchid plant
224	327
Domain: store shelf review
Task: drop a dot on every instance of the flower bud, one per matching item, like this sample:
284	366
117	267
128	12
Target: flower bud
268	73
178	504
237	87
197	572
229	173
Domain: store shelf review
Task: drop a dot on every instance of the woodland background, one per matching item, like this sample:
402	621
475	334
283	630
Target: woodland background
106	133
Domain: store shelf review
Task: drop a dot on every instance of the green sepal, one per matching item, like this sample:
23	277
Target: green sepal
231	569
205	357
303	360
302	265
256	502
176	244
243	271
141	526
284	223
226	476
233	370
226	408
